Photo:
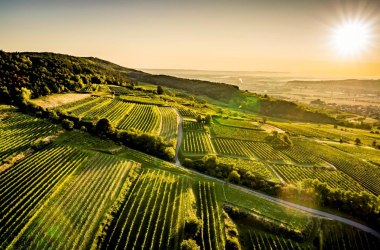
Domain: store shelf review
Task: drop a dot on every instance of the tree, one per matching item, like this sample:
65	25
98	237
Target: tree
25	94
234	176
199	118
208	119
67	124
189	244
160	90
193	226
357	141
104	127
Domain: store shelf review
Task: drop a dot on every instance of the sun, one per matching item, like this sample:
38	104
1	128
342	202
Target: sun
351	38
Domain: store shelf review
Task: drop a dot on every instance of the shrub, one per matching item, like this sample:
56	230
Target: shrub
67	124
189	244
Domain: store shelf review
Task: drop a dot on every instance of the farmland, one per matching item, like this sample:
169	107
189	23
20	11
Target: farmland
17	132
196	142
123	163
75	218
145	118
37	175
334	179
169	124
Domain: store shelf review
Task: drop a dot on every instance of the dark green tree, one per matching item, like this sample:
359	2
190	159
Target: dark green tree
160	90
104	127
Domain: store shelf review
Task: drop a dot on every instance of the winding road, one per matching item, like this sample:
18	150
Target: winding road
267	197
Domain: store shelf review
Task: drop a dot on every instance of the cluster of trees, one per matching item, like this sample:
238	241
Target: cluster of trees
232	233
280	140
210	165
363	205
204	119
44	73
148	143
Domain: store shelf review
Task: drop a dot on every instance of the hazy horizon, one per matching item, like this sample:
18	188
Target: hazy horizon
292	36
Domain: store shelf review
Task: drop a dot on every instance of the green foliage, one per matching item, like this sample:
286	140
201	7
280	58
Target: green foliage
45	73
104	127
67	124
189	244
160	90
193	226
148	143
234	176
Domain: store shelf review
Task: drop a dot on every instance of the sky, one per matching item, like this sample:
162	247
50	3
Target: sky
242	35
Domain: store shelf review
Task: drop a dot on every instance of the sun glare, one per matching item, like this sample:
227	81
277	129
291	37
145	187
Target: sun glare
351	38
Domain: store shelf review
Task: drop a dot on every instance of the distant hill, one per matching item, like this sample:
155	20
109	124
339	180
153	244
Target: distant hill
347	82
39	74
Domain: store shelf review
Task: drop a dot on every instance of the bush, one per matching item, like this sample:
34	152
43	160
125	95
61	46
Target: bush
189	244
67	124
104	127
193	226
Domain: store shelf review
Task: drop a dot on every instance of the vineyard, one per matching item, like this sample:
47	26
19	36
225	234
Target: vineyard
301	153
196	142
112	109
211	235
169	127
364	173
151	216
119	90
220	131
327	131
192	125
255	167
28	183
187	112
237	123
17	132
365	153
261	240
142	117
340	236
248	149
334	179
73	214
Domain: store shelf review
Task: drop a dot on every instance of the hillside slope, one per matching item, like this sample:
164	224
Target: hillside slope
31	75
